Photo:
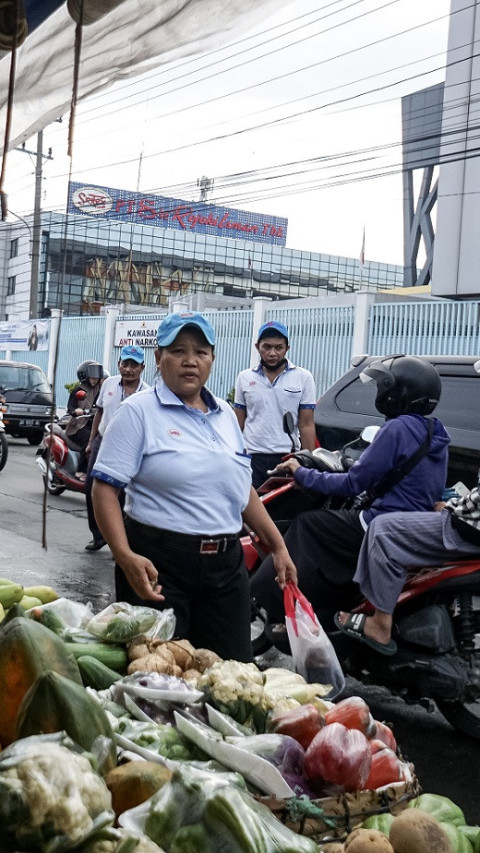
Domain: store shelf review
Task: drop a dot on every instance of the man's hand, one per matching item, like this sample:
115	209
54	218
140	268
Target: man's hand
142	576
284	566
290	465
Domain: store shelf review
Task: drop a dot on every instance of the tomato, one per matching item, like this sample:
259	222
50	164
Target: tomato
339	756
301	723
353	713
385	769
385	733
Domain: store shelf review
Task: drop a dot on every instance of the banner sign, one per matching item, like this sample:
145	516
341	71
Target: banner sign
193	216
25	335
138	333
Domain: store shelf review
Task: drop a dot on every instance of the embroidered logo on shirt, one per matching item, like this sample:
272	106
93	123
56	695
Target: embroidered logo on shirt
252	383
176	433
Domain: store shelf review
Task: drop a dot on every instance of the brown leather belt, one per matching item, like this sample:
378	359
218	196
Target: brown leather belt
204	545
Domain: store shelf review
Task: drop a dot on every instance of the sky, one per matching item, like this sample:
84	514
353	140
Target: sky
299	118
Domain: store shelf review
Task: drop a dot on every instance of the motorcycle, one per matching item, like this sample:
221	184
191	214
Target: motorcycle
3	437
436	620
58	457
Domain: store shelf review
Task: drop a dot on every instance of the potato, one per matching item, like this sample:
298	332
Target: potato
332	847
414	831
367	841
191	675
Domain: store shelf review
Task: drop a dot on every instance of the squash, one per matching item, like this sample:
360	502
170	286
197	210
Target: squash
54	703
96	674
133	783
27	649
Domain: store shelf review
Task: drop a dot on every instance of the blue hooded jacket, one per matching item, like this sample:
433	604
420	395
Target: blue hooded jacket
395	442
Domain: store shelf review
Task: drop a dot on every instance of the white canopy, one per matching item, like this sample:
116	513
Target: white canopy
137	36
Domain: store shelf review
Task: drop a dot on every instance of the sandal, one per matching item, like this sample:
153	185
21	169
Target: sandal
354	626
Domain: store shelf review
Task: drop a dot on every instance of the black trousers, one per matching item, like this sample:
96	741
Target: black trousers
261	463
209	593
324	545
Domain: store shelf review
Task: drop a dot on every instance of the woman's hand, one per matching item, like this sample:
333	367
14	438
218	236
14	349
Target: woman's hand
290	465
284	566
142	576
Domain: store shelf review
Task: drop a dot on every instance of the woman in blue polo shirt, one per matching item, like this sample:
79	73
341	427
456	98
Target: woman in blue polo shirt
179	453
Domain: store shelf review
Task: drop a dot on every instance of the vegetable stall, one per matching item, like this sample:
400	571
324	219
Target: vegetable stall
118	737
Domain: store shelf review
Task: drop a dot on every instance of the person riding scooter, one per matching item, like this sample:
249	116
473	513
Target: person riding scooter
80	406
401	542
324	543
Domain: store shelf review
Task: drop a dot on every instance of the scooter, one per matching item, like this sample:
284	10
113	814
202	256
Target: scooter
436	621
3	437
58	456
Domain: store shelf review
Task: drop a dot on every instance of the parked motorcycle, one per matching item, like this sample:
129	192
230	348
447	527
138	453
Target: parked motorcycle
436	621
3	437
58	457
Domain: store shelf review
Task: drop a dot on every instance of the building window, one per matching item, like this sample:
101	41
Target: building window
14	248
11	285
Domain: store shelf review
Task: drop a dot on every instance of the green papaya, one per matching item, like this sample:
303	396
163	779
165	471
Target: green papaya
55	703
26	650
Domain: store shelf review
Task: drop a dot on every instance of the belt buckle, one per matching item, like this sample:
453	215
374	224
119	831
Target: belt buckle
210	546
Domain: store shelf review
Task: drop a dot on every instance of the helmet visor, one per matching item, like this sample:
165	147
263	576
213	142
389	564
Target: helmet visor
95	371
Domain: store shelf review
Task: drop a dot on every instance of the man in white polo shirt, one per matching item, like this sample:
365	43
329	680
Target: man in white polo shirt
265	393
114	390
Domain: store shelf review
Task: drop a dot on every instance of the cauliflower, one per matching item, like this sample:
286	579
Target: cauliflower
49	792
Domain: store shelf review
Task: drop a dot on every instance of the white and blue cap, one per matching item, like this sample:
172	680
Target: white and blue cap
134	353
172	324
271	328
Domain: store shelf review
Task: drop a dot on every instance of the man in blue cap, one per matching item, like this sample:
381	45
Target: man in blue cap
265	393
114	390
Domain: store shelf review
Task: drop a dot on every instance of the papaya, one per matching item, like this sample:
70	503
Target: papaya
46	594
26	650
28	601
54	703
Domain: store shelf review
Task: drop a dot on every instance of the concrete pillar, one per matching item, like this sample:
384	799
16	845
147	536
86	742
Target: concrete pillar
363	302
56	316
260	307
111	316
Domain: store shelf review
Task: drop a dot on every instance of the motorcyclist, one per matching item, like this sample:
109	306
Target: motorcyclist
90	375
325	543
401	542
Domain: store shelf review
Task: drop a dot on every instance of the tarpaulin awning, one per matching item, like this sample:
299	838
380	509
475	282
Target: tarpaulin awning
133	38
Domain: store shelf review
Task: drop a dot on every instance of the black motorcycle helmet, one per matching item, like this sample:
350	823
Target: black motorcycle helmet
405	385
89	370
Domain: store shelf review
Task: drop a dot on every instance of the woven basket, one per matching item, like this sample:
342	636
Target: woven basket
332	818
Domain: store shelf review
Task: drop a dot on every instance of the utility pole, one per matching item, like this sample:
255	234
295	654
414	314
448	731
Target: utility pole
37	221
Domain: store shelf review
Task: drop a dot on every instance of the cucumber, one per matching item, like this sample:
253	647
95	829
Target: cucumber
112	656
95	673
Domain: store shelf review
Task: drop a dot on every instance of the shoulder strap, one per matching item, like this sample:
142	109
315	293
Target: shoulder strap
402	469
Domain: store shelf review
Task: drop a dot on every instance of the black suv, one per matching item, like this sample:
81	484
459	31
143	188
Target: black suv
349	405
28	398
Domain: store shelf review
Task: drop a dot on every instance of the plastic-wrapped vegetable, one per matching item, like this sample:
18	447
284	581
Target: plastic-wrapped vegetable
120	622
50	796
164	740
284	752
198	812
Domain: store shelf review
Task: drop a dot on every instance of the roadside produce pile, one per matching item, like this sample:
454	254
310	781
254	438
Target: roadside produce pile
117	738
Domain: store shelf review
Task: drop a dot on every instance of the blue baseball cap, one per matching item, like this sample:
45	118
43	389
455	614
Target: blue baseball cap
273	326
172	324
135	353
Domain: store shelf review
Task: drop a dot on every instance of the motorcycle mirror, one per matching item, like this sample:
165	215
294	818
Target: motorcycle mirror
289	427
368	433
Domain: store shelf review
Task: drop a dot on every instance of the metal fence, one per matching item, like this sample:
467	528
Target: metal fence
321	339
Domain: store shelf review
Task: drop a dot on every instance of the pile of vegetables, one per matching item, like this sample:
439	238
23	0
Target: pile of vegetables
106	718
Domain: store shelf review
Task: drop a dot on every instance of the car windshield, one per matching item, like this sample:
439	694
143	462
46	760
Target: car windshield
23	379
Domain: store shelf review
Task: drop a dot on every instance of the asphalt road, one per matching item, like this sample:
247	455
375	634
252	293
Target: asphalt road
446	761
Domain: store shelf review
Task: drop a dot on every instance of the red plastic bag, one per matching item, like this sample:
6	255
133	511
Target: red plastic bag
312	652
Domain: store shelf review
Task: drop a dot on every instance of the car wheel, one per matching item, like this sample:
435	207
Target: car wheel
35	437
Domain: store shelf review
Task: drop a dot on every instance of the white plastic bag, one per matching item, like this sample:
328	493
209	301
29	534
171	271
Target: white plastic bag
312	652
